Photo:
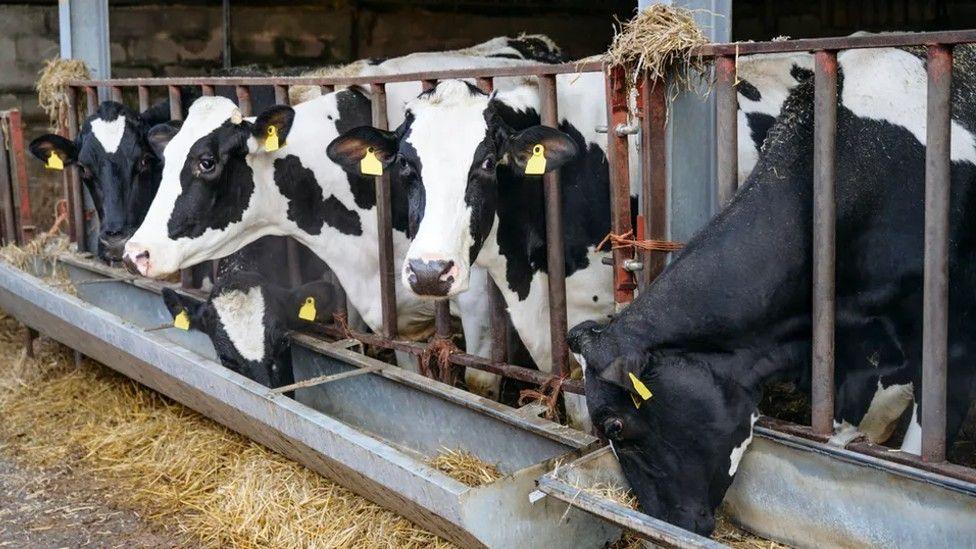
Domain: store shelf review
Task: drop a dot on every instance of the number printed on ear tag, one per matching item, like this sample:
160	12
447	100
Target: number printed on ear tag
182	321
537	163
54	162
271	142
370	165
307	312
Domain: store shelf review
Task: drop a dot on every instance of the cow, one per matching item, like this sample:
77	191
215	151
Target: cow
117	167
222	189
247	318
673	381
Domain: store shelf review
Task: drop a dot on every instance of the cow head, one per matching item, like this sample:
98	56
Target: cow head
208	204
247	320
450	154
678	423
117	166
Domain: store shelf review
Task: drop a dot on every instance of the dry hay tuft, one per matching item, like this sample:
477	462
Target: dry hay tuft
174	465
300	94
733	536
659	40
52	83
464	467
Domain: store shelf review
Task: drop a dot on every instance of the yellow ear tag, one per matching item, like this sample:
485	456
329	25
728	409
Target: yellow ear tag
370	165
537	164
307	312
271	142
641	389
54	162
182	321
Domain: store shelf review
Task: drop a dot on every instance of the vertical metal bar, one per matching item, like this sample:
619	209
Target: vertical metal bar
6	189
175	103
326	88
281	94
91	96
555	251
225	33
76	213
384	223
116	93
143	98
244	100
935	304
726	153
824	240
207	90
18	167
654	173
428	85
618	115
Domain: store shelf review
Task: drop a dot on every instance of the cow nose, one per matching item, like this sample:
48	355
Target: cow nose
433	278
137	264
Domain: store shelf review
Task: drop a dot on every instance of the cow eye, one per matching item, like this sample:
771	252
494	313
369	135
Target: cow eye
207	164
488	164
145	162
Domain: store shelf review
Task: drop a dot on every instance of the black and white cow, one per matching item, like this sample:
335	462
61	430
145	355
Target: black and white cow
247	319
673	381
222	189
117	166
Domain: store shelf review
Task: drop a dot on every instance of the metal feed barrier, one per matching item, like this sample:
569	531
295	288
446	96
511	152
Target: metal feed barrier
930	469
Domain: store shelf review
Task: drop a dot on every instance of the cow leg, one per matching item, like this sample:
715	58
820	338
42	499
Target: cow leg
407	361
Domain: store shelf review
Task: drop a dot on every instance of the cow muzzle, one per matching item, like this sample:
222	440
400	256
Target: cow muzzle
432	277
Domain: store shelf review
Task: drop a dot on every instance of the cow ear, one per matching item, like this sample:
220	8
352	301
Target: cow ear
177	304
271	127
312	302
46	145
160	135
351	148
538	150
627	372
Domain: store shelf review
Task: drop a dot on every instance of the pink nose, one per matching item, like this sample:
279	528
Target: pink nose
137	263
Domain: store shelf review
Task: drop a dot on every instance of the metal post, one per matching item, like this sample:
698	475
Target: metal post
143	98
91	96
824	240
618	116
207	90
6	190
244	100
654	173
18	172
176	113
116	93
935	304
726	122
281	94
384	223
555	252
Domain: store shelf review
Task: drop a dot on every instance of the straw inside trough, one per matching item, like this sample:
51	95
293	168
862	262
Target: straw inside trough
47	247
659	40
464	467
173	465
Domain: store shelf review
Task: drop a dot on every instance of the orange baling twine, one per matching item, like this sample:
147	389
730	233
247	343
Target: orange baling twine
440	348
547	395
627	240
61	215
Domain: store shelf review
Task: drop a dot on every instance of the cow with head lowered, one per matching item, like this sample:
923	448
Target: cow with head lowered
223	186
117	166
674	380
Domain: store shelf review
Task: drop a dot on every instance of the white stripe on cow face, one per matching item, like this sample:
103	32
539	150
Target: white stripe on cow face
448	125
241	314
109	134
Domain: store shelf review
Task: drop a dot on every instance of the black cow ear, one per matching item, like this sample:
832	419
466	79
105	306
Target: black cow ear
46	145
627	372
538	150
178	304
314	301
364	150
272	126
160	135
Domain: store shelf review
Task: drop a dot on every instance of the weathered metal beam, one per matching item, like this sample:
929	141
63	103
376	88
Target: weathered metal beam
384	222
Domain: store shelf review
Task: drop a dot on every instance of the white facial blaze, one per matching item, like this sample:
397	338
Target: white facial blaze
242	315
109	134
740	450
447	128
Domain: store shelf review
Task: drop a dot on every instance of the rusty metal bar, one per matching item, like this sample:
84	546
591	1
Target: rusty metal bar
384	223
76	213
175	103
6	189
91	96
654	173
18	173
116	93
824	240
207	90
244	100
894	40
618	156
281	94
935	305
428	84
143	98
726	130
326	89
555	251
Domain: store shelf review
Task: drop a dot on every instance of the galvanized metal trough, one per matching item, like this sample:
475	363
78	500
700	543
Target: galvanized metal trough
802	493
369	432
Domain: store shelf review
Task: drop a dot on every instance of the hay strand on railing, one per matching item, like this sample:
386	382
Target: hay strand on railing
51	84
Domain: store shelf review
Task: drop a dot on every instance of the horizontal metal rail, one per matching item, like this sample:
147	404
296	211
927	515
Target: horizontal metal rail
893	40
